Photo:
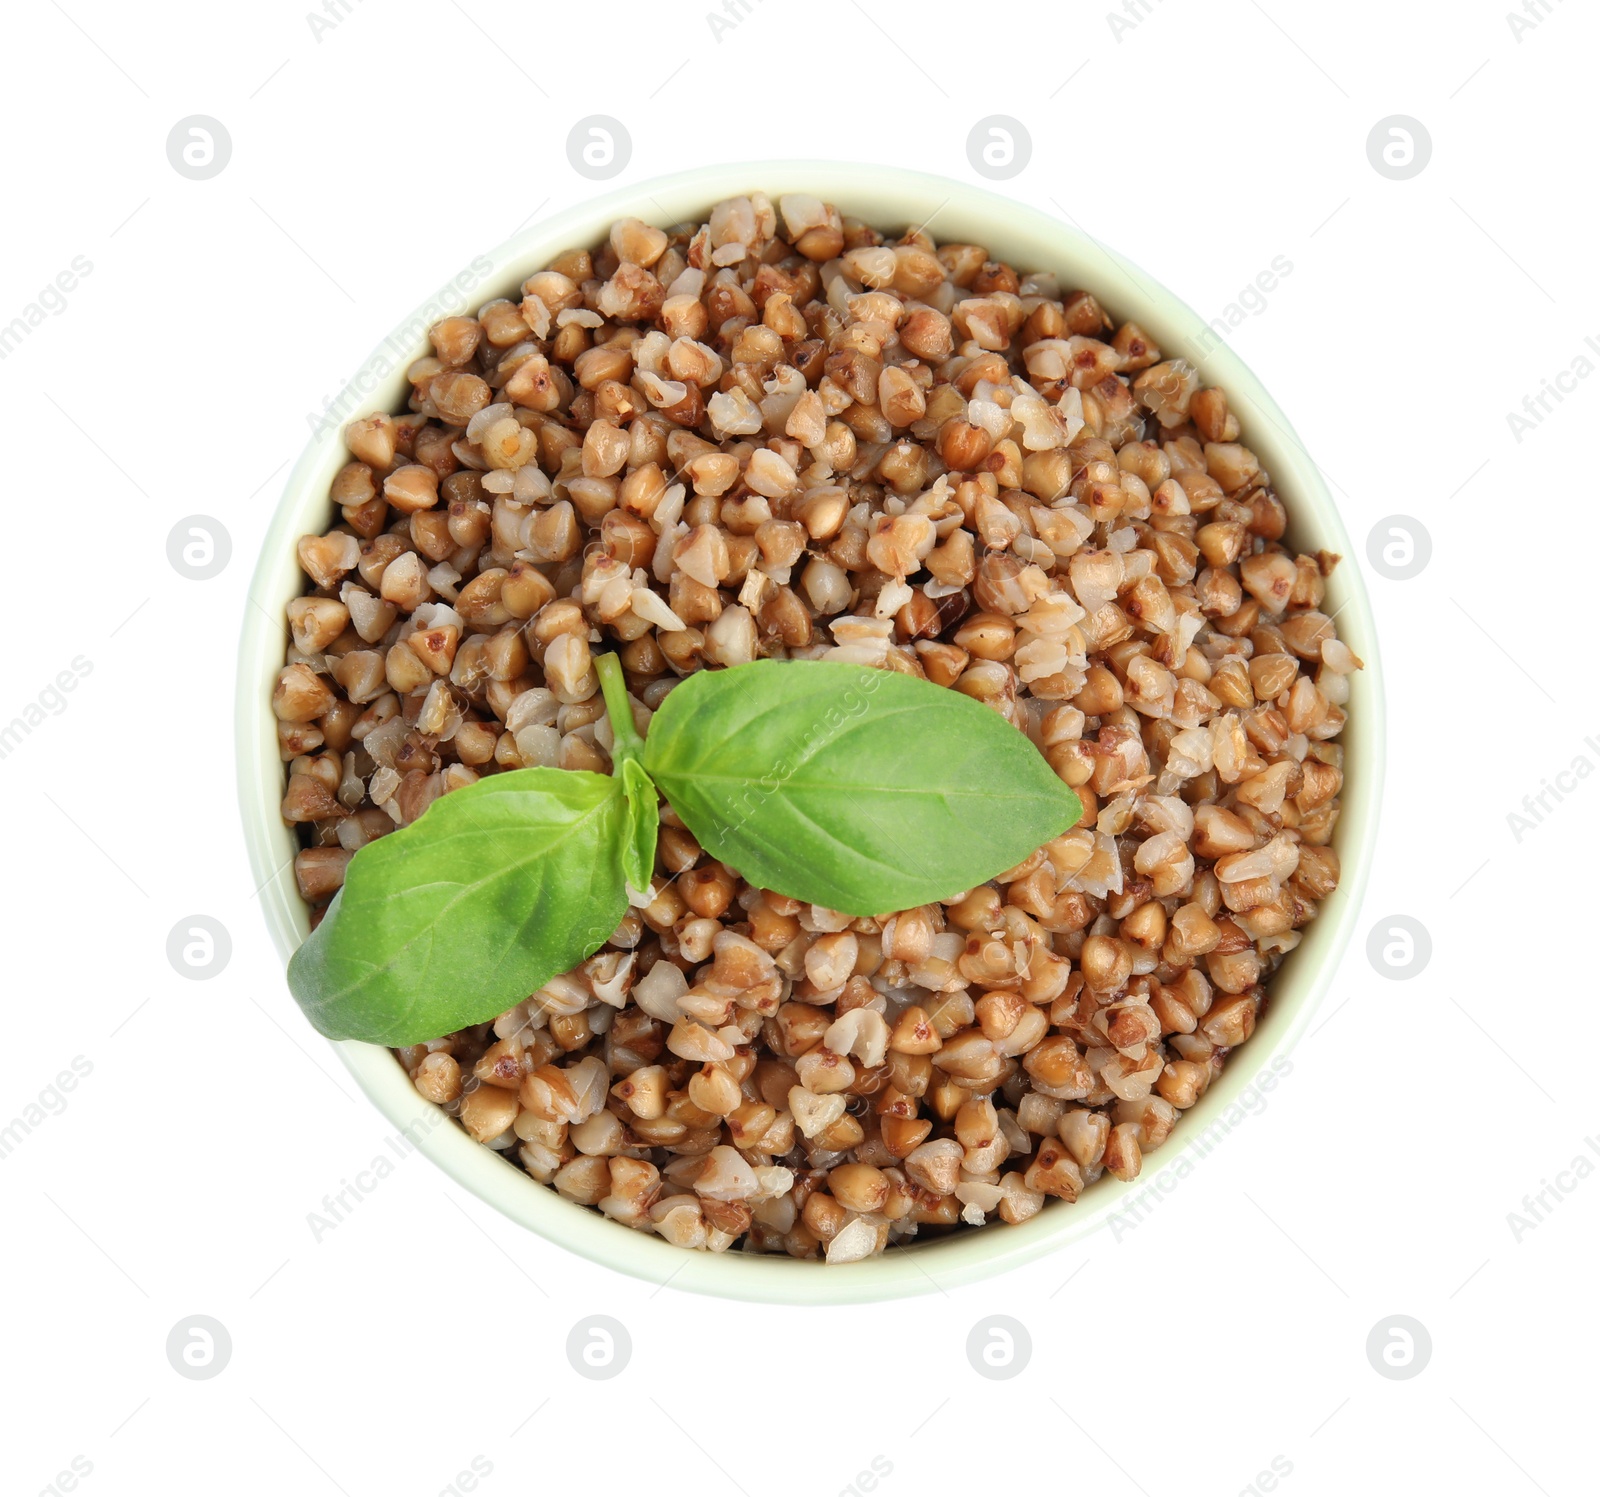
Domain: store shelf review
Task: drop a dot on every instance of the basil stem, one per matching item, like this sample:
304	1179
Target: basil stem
627	764
627	744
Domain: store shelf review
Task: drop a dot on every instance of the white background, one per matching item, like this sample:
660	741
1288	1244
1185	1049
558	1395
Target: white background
368	166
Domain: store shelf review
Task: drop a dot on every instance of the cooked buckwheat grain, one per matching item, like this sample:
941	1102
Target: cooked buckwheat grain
782	433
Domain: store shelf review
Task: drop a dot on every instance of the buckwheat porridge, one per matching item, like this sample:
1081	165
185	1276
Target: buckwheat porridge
783	433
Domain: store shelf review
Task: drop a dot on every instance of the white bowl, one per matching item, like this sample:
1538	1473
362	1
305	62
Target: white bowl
1029	240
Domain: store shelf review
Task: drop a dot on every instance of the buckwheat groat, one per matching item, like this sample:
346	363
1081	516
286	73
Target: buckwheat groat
784	433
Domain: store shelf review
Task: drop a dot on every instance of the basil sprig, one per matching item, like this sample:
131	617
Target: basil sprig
862	790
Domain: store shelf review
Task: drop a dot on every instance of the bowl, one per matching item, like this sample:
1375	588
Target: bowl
1030	240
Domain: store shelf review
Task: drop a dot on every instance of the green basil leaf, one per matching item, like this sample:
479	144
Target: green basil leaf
492	891
643	822
862	790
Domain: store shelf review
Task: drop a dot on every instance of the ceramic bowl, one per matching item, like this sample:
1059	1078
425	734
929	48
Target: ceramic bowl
1032	241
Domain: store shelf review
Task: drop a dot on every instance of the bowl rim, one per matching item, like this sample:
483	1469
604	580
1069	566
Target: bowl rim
889	198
